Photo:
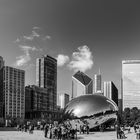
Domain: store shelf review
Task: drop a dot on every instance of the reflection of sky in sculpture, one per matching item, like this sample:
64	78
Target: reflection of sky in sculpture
131	84
90	108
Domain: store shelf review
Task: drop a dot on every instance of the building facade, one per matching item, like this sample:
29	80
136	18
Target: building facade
46	77
131	83
97	83
110	91
81	84
63	100
37	104
14	92
36	101
1	87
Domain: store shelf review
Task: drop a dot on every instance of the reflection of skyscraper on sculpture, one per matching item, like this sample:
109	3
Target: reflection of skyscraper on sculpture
81	84
131	83
97	83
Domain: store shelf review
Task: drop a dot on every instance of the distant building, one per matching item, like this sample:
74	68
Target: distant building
14	93
37	104
63	99
110	91
97	83
81	84
46	77
131	83
1	87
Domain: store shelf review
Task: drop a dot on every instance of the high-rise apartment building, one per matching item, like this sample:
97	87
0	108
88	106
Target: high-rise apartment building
81	84
97	83
1	88
46	77
63	100
14	93
36	102
110	91
131	83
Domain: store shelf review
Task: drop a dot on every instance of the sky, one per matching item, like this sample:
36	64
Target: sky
82	35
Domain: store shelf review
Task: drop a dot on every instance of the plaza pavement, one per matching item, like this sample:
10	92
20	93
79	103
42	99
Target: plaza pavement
39	135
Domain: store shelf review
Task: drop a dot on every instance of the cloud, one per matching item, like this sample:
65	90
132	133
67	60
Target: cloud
28	37
32	36
35	34
36	28
25	58
82	59
47	37
17	40
62	59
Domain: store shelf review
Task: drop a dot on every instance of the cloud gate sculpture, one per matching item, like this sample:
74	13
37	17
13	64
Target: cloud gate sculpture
92	110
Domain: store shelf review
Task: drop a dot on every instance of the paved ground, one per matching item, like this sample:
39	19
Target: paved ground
39	135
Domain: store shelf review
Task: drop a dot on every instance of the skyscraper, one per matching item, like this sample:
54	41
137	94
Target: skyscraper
1	88
14	93
46	77
131	83
81	84
97	83
110	91
63	99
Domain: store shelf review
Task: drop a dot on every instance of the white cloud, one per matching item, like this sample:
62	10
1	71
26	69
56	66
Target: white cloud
17	40
62	59
82	59
32	36
35	34
47	37
36	28
28	37
25	58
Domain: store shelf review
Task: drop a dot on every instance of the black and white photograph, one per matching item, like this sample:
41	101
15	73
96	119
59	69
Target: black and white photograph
69	69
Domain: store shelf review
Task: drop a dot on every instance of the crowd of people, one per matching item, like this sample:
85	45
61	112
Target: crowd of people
55	131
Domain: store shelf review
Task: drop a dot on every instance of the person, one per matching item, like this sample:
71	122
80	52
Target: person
118	131
129	129
80	130
138	133
87	128
122	135
59	133
46	130
135	127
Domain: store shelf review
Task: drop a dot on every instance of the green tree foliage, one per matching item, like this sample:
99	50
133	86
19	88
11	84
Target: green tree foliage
131	116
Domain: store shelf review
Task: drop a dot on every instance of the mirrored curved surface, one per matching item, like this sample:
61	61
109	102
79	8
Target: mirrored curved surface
93	110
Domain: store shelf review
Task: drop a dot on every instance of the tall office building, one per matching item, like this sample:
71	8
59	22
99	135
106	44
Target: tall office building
97	83
81	84
131	83
63	100
14	93
46	77
1	88
110	91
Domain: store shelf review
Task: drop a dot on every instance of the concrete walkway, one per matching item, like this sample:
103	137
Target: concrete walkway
39	135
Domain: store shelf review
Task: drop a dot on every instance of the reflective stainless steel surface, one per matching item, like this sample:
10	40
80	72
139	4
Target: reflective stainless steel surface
93	110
